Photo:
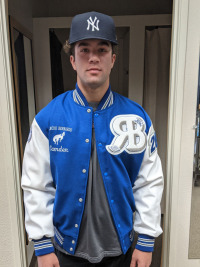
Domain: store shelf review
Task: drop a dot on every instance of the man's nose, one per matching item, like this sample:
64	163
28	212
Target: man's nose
93	57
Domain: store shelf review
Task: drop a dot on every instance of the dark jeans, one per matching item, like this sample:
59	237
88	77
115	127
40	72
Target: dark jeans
71	261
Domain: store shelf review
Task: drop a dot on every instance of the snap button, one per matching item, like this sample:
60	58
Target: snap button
112	201
71	249
119	225
84	171
96	114
87	140
105	174
80	200
88	110
99	144
76	225
73	241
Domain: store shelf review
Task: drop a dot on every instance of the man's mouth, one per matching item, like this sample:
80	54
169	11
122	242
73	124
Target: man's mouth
94	70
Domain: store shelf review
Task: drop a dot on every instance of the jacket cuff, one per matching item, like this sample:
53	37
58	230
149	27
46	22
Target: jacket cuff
43	246
145	243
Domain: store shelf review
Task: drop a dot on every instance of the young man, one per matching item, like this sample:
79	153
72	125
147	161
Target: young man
90	163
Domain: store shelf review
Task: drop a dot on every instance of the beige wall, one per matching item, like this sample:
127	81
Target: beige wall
21	10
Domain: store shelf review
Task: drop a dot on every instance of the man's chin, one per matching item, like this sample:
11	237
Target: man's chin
95	84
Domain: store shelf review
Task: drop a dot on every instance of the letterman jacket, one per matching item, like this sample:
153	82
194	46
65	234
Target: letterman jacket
56	165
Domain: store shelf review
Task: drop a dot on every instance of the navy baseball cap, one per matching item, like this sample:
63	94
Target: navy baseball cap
92	25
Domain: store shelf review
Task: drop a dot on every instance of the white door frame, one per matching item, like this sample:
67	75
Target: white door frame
182	115
12	234
182	106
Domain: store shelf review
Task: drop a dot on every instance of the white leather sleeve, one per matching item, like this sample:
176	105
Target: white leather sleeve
37	183
147	192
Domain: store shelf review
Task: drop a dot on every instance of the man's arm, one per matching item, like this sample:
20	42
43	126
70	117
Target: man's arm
39	191
147	192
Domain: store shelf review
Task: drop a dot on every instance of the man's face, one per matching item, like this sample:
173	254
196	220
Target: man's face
93	62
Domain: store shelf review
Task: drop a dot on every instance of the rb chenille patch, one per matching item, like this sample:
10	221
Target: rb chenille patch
129	134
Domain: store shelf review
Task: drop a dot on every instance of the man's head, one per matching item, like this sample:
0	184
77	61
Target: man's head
91	42
91	25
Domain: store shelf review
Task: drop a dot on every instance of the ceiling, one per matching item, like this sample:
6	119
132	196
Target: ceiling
63	8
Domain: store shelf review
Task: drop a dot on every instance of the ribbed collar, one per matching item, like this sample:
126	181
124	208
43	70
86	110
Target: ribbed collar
105	102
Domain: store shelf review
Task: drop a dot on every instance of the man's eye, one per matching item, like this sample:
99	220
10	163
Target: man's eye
102	50
84	50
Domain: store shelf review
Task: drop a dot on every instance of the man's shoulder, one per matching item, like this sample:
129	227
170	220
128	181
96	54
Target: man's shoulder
132	107
128	102
51	110
60	98
54	104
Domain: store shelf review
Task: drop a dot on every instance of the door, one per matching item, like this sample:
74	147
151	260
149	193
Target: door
182	115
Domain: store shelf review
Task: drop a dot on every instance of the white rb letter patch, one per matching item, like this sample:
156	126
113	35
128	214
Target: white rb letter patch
129	134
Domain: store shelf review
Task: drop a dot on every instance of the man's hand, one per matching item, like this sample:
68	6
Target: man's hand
141	258
48	260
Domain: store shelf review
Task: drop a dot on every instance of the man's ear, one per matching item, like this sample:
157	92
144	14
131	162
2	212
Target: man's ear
72	60
113	59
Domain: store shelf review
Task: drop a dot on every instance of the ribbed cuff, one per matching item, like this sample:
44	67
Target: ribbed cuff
145	243
43	246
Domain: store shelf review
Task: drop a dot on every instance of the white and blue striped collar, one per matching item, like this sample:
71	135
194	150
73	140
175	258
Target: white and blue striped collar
105	102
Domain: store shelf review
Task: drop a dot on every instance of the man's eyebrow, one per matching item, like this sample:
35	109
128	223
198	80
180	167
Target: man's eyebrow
103	43
83	44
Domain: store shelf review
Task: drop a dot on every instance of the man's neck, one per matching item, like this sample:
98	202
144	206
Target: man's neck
93	94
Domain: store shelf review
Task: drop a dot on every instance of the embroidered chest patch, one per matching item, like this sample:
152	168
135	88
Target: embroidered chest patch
57	143
129	134
58	138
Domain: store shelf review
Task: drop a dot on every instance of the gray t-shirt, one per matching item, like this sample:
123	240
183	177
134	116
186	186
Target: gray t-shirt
98	237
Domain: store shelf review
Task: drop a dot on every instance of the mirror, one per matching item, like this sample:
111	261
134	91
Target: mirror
194	245
24	91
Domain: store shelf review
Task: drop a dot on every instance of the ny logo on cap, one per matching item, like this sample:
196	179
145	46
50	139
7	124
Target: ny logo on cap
92	24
